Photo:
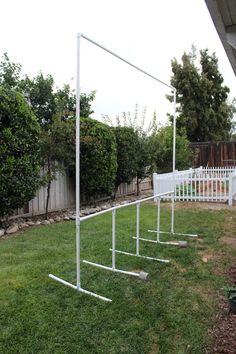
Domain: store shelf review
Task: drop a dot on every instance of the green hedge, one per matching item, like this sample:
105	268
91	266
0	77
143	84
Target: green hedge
98	161
127	154
19	151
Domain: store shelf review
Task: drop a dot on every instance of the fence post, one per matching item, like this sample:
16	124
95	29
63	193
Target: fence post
154	176
230	189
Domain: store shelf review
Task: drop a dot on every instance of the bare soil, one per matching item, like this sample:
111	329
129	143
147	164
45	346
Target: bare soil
224	333
204	205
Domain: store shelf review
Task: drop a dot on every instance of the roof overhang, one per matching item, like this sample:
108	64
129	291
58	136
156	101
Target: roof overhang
223	14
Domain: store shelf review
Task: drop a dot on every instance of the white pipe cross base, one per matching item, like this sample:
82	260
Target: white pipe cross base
112	269
181	244
79	288
139	255
174	233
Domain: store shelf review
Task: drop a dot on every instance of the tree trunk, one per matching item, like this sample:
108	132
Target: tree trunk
48	186
138	186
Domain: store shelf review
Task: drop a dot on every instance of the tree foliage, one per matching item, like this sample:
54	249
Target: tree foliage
203	107
57	151
98	162
54	111
162	146
40	95
9	72
65	100
144	158
127	151
19	151
86	104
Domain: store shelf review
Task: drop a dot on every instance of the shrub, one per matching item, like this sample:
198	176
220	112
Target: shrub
19	151
98	163
162	144
127	149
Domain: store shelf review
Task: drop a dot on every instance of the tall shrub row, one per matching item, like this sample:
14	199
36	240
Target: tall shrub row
98	158
19	151
37	127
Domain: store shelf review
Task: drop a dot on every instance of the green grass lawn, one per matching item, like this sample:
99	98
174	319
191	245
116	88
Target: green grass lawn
172	312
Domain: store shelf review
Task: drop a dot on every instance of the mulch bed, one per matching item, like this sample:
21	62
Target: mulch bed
224	333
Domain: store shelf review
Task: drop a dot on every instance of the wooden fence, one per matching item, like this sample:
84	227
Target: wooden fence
214	154
201	184
62	195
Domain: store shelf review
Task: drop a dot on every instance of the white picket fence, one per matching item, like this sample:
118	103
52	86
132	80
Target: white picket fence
217	184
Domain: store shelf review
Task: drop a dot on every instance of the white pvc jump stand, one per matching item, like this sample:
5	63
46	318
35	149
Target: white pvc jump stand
113	267
140	275
182	244
78	282
137	254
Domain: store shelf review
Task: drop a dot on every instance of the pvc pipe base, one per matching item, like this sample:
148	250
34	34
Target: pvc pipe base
183	244
79	288
115	270
143	276
140	256
174	233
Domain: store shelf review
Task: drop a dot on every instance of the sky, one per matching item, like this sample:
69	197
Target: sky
41	35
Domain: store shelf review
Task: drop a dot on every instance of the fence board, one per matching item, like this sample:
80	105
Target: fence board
63	195
214	154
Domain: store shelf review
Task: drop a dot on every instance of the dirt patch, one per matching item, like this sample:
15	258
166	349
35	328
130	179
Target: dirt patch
224	333
155	347
178	267
230	241
212	257
204	205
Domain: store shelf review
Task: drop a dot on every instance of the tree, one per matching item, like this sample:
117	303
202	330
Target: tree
19	151
86	104
47	106
40	95
55	113
203	108
65	100
140	139
9	72
127	152
144	158
56	151
162	146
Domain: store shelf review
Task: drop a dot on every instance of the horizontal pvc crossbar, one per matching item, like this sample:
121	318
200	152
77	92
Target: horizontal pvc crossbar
145	257
83	218
112	269
161	242
126	61
79	289
173	233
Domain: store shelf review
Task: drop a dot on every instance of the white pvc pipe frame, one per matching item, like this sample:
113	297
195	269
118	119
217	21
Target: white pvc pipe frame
78	219
137	237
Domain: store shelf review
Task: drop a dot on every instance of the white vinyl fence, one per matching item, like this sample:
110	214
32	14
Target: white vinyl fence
216	184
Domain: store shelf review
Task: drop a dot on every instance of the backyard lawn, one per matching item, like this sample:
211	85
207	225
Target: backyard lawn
172	312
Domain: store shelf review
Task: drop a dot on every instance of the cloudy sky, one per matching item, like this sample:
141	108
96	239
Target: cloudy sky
41	35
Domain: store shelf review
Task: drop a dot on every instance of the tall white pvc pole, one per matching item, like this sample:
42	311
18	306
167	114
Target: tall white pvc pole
174	130
113	239
137	228
158	219
78	165
174	157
